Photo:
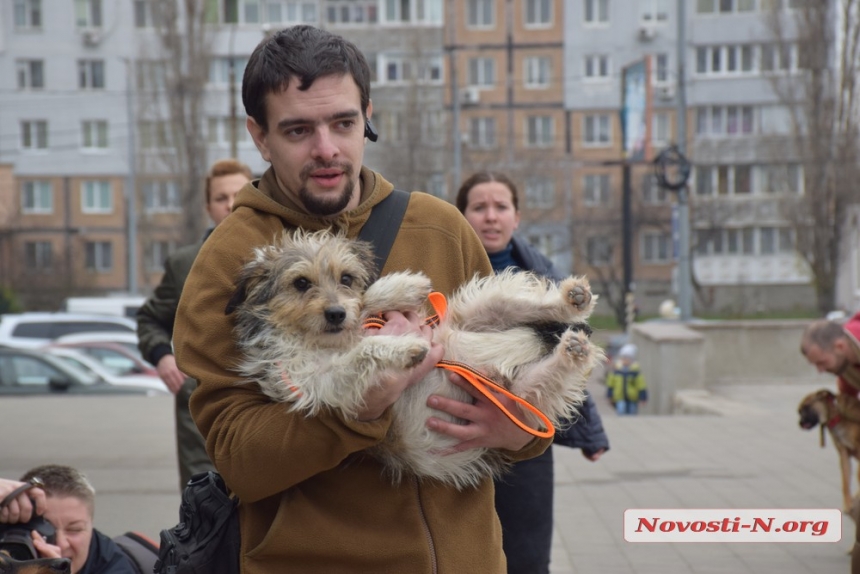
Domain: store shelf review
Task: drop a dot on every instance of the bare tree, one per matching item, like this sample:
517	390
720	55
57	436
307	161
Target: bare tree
819	94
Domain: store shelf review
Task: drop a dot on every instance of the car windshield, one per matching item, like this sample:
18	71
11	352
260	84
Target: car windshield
87	373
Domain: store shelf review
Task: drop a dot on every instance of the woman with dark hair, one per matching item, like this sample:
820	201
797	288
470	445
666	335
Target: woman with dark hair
524	496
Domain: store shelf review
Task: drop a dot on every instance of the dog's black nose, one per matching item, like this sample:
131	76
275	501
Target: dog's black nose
335	315
62	565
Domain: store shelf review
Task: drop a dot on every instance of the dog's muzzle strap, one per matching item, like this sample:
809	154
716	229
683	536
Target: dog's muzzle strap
485	386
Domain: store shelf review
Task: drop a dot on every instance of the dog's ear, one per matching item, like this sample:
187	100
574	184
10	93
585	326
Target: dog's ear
253	272
363	251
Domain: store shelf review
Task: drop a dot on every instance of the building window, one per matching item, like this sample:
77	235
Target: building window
540	192
88	13
150	75
725	121
595	188
160	197
219	71
539	131
144	15
482	132
734	59
28	14
482	72
596	130
652	192
437	186
395	68
392	128
34	134
538	13
653	10
37	196
154	135
660	129
266	12
598	251
597	67
537	71
351	12
95	134
780	178
479	14
157	253
218	132
724	6
31	74
661	69
413	11
91	74
433	128
98	256
38	256
96	197
596	11
656	247
777	58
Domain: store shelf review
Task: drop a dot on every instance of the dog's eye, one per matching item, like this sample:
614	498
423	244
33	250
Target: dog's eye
346	280
302	284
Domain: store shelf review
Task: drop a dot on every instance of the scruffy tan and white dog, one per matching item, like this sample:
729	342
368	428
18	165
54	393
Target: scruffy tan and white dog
300	308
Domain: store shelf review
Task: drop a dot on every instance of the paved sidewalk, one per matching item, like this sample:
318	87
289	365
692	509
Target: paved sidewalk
754	457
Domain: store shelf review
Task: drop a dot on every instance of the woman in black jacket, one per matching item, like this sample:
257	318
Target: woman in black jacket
524	496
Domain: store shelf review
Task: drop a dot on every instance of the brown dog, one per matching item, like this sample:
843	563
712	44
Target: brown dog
841	416
9	565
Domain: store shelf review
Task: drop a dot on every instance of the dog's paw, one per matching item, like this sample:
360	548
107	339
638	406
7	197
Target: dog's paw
577	293
575	346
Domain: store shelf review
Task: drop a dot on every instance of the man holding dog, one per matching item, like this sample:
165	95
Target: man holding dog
311	498
834	347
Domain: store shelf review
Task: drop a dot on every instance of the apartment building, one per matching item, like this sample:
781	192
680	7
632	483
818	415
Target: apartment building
91	200
507	71
743	257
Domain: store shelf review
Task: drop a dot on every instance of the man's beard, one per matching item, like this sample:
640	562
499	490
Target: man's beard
324	206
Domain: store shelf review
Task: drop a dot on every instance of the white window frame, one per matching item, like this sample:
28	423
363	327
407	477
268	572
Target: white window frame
596	189
30	74
219	71
652	192
218	131
38	256
596	67
419	12
89	13
715	121
160	196
594	128
94	135
540	192
661	128
661	69
481	72
537	72
352	13
480	14
91	74
37	196
595	12
483	132
598	251
96	196
537	14
98	256
157	252
651	11
27	14
34	135
540	131
656	247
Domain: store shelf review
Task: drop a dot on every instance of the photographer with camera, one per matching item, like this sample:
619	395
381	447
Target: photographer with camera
62	526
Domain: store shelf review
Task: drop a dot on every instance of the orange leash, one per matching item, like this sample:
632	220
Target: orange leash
484	385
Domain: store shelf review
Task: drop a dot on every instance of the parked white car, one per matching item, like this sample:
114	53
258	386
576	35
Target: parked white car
89	364
36	328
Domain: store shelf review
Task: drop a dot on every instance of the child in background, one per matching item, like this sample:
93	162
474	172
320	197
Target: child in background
626	385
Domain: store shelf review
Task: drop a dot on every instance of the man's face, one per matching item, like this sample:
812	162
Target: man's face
222	193
315	143
832	361
73	520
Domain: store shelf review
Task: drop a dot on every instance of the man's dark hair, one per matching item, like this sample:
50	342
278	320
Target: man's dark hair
302	52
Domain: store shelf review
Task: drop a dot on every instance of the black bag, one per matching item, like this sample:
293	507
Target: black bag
206	540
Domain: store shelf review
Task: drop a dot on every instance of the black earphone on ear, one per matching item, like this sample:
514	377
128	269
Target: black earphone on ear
370	131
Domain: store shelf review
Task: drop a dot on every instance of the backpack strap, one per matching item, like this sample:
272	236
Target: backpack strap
140	549
383	224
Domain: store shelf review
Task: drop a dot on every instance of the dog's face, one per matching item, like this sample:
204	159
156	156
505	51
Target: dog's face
308	284
813	408
9	565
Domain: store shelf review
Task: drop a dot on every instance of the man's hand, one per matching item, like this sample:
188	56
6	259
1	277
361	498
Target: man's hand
486	426
392	386
23	506
170	373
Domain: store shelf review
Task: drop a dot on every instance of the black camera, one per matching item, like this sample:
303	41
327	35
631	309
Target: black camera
16	541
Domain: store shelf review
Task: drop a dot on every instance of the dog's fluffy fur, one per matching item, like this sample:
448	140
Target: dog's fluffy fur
300	306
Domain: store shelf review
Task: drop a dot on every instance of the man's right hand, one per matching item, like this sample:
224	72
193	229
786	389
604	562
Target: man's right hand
392	386
23	506
170	373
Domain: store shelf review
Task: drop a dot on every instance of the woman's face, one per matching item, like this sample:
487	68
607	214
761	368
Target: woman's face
491	213
73	521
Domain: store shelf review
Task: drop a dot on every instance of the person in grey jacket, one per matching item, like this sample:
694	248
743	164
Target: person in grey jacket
155	317
524	496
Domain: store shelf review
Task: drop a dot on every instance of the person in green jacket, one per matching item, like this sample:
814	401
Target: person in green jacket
155	317
626	385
